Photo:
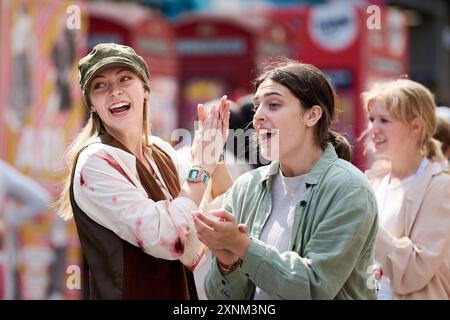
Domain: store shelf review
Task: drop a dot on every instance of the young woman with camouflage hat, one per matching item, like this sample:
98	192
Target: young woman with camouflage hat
129	192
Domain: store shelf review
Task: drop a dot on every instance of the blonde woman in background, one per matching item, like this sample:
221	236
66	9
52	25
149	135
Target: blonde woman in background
413	192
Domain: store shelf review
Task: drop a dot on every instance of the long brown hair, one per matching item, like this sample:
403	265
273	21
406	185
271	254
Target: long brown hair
311	87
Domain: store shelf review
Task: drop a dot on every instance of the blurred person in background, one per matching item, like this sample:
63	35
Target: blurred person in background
21	73
63	57
233	153
444	112
31	199
130	193
250	149
413	241
57	269
442	132
310	215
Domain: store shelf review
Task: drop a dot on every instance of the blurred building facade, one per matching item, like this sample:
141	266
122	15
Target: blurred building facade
41	107
429	53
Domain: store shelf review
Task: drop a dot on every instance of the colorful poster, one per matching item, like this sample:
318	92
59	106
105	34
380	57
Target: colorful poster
41	109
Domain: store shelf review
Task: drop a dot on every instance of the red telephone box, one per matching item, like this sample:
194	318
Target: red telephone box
219	55
152	37
353	47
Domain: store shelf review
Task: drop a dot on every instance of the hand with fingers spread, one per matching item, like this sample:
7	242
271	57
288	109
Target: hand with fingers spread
227	239
211	135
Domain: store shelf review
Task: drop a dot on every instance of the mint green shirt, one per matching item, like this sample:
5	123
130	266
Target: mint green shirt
332	243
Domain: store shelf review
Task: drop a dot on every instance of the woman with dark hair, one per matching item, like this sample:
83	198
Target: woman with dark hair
311	216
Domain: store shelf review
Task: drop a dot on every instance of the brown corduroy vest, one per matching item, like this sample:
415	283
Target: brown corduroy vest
120	270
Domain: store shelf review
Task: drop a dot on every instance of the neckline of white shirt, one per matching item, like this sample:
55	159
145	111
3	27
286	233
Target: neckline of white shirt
291	184
385	185
398	183
296	180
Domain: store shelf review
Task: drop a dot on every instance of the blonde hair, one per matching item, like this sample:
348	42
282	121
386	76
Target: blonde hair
406	100
93	128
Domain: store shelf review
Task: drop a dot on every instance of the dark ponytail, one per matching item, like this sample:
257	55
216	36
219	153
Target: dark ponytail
341	145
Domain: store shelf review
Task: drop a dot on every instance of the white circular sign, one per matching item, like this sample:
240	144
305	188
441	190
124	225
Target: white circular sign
333	27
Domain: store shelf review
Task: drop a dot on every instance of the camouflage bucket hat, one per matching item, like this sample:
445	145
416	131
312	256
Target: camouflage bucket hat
108	55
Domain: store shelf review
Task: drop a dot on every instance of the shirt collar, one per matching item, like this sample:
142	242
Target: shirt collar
328	157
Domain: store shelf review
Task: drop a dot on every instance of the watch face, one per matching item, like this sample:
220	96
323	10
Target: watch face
197	175
194	174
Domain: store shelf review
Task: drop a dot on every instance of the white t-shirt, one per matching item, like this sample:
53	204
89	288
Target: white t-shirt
286	192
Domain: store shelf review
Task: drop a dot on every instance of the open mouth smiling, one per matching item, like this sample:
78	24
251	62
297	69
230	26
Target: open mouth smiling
119	108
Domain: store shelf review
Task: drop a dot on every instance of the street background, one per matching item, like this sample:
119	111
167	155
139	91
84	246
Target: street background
197	50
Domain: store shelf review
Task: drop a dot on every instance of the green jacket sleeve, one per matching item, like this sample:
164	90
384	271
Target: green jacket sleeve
234	286
330	256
